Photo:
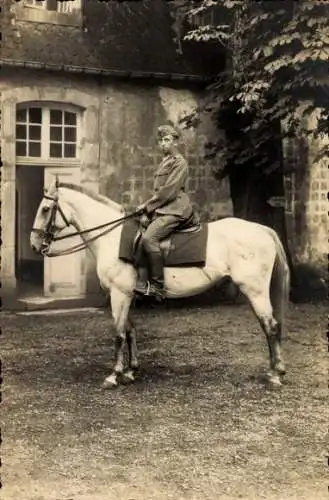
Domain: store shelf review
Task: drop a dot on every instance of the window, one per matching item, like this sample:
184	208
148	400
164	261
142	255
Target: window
65	7
63	134
62	12
47	132
28	132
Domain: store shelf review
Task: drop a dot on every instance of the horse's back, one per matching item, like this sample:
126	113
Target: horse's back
234	227
241	243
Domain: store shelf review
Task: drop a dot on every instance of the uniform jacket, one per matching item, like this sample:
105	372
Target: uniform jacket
169	188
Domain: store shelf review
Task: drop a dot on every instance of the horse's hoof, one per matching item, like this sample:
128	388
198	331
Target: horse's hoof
110	382
280	369
128	377
274	381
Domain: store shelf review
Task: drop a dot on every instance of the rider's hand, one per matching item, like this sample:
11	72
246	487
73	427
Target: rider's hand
144	221
141	208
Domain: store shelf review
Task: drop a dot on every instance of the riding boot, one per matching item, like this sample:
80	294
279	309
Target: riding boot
155	285
157	275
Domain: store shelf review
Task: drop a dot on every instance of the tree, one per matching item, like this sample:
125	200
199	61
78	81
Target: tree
278	55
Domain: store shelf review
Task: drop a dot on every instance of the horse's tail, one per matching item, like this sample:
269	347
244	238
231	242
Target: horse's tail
280	280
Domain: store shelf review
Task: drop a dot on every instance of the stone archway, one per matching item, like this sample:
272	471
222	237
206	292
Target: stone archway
88	162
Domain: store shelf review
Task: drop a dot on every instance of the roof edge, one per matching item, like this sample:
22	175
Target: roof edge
103	71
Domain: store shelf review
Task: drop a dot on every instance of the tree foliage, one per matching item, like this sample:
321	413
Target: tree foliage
278	55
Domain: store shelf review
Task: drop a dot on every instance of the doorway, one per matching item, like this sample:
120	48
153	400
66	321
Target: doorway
38	277
29	266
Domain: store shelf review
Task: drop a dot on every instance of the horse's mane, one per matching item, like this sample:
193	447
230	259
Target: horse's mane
93	195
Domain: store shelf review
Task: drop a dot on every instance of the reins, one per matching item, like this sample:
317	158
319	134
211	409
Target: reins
106	224
110	226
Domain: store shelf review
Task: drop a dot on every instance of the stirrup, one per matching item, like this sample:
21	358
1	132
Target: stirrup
143	288
150	290
157	292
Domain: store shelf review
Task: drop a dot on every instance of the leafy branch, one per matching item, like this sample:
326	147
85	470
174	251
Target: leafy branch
277	59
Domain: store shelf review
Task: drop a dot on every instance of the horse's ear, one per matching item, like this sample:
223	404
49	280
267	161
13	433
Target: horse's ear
52	190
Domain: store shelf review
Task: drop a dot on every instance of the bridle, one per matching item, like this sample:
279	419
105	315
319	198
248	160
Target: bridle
48	234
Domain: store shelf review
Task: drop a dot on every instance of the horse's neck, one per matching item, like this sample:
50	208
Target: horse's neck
89	213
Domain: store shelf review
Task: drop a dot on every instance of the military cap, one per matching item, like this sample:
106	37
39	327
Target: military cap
168	130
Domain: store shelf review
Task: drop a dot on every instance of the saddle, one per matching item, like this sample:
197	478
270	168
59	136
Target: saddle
185	246
188	225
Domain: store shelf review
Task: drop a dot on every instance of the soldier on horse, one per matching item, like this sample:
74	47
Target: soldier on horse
167	209
250	254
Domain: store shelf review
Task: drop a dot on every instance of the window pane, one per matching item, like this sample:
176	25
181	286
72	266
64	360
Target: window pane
66	7
56	116
70	118
35	132
55	150
21	131
35	115
20	148
70	134
34	149
21	115
69	150
52	5
56	134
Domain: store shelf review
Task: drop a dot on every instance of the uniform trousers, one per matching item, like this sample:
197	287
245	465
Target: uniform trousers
160	227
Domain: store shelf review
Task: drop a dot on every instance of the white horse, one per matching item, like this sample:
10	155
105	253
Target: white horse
251	254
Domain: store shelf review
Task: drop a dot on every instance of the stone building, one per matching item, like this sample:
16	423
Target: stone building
306	209
84	85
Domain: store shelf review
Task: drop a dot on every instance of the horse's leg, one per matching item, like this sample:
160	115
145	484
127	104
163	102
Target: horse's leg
262	307
279	363
120	304
132	352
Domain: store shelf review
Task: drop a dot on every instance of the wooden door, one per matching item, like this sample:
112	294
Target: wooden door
64	276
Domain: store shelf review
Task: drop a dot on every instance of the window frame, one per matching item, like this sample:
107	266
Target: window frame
40	14
45	157
42	5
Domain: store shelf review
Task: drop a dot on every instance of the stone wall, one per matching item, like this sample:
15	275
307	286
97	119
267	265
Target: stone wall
119	37
306	188
129	154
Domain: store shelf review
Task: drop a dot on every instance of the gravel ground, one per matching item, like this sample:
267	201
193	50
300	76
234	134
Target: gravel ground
199	423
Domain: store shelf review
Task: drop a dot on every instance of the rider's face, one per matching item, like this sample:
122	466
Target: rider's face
167	143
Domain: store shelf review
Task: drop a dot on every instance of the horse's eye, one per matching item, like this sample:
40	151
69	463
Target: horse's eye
45	209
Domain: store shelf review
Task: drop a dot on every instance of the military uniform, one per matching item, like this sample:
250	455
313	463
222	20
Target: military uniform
168	208
169	187
170	204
